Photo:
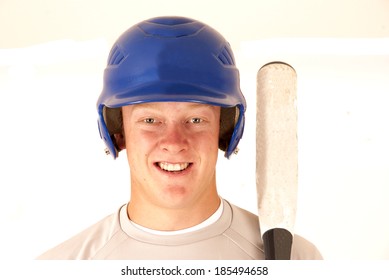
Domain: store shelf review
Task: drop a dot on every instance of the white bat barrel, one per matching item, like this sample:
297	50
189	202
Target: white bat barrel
276	157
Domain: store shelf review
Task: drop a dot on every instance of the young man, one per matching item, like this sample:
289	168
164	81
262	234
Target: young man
171	99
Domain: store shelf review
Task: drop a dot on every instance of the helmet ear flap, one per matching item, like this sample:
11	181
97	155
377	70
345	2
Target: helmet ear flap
228	118
114	121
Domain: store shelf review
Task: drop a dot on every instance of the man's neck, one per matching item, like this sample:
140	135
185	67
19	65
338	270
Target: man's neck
171	219
215	216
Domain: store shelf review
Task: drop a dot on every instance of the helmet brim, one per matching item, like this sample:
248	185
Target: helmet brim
173	92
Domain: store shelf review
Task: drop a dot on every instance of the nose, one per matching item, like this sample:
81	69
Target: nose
174	139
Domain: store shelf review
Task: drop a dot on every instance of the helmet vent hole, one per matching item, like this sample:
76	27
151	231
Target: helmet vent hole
115	56
226	57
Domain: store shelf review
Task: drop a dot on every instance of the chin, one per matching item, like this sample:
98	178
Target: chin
176	197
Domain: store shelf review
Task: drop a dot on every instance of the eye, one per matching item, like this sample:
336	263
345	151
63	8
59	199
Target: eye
149	120
196	120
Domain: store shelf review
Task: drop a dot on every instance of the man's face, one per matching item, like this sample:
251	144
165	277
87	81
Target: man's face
172	150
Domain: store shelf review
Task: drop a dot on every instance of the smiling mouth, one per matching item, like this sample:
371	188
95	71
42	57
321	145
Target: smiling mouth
173	167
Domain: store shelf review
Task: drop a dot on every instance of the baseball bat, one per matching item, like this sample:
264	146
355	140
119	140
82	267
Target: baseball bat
276	157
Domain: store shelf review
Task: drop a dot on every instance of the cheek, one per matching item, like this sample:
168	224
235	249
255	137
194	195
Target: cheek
137	148
137	140
209	144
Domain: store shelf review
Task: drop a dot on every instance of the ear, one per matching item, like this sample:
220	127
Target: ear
120	142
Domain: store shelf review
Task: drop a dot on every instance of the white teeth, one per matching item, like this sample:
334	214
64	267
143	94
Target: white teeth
173	166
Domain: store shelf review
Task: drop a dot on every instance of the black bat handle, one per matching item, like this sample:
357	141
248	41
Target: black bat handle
277	244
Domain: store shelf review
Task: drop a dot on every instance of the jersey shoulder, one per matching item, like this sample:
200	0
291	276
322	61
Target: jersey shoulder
87	243
245	226
303	249
244	231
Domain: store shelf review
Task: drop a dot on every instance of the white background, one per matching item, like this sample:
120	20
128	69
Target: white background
56	180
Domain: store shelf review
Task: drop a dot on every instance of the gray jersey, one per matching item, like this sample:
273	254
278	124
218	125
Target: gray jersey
235	235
